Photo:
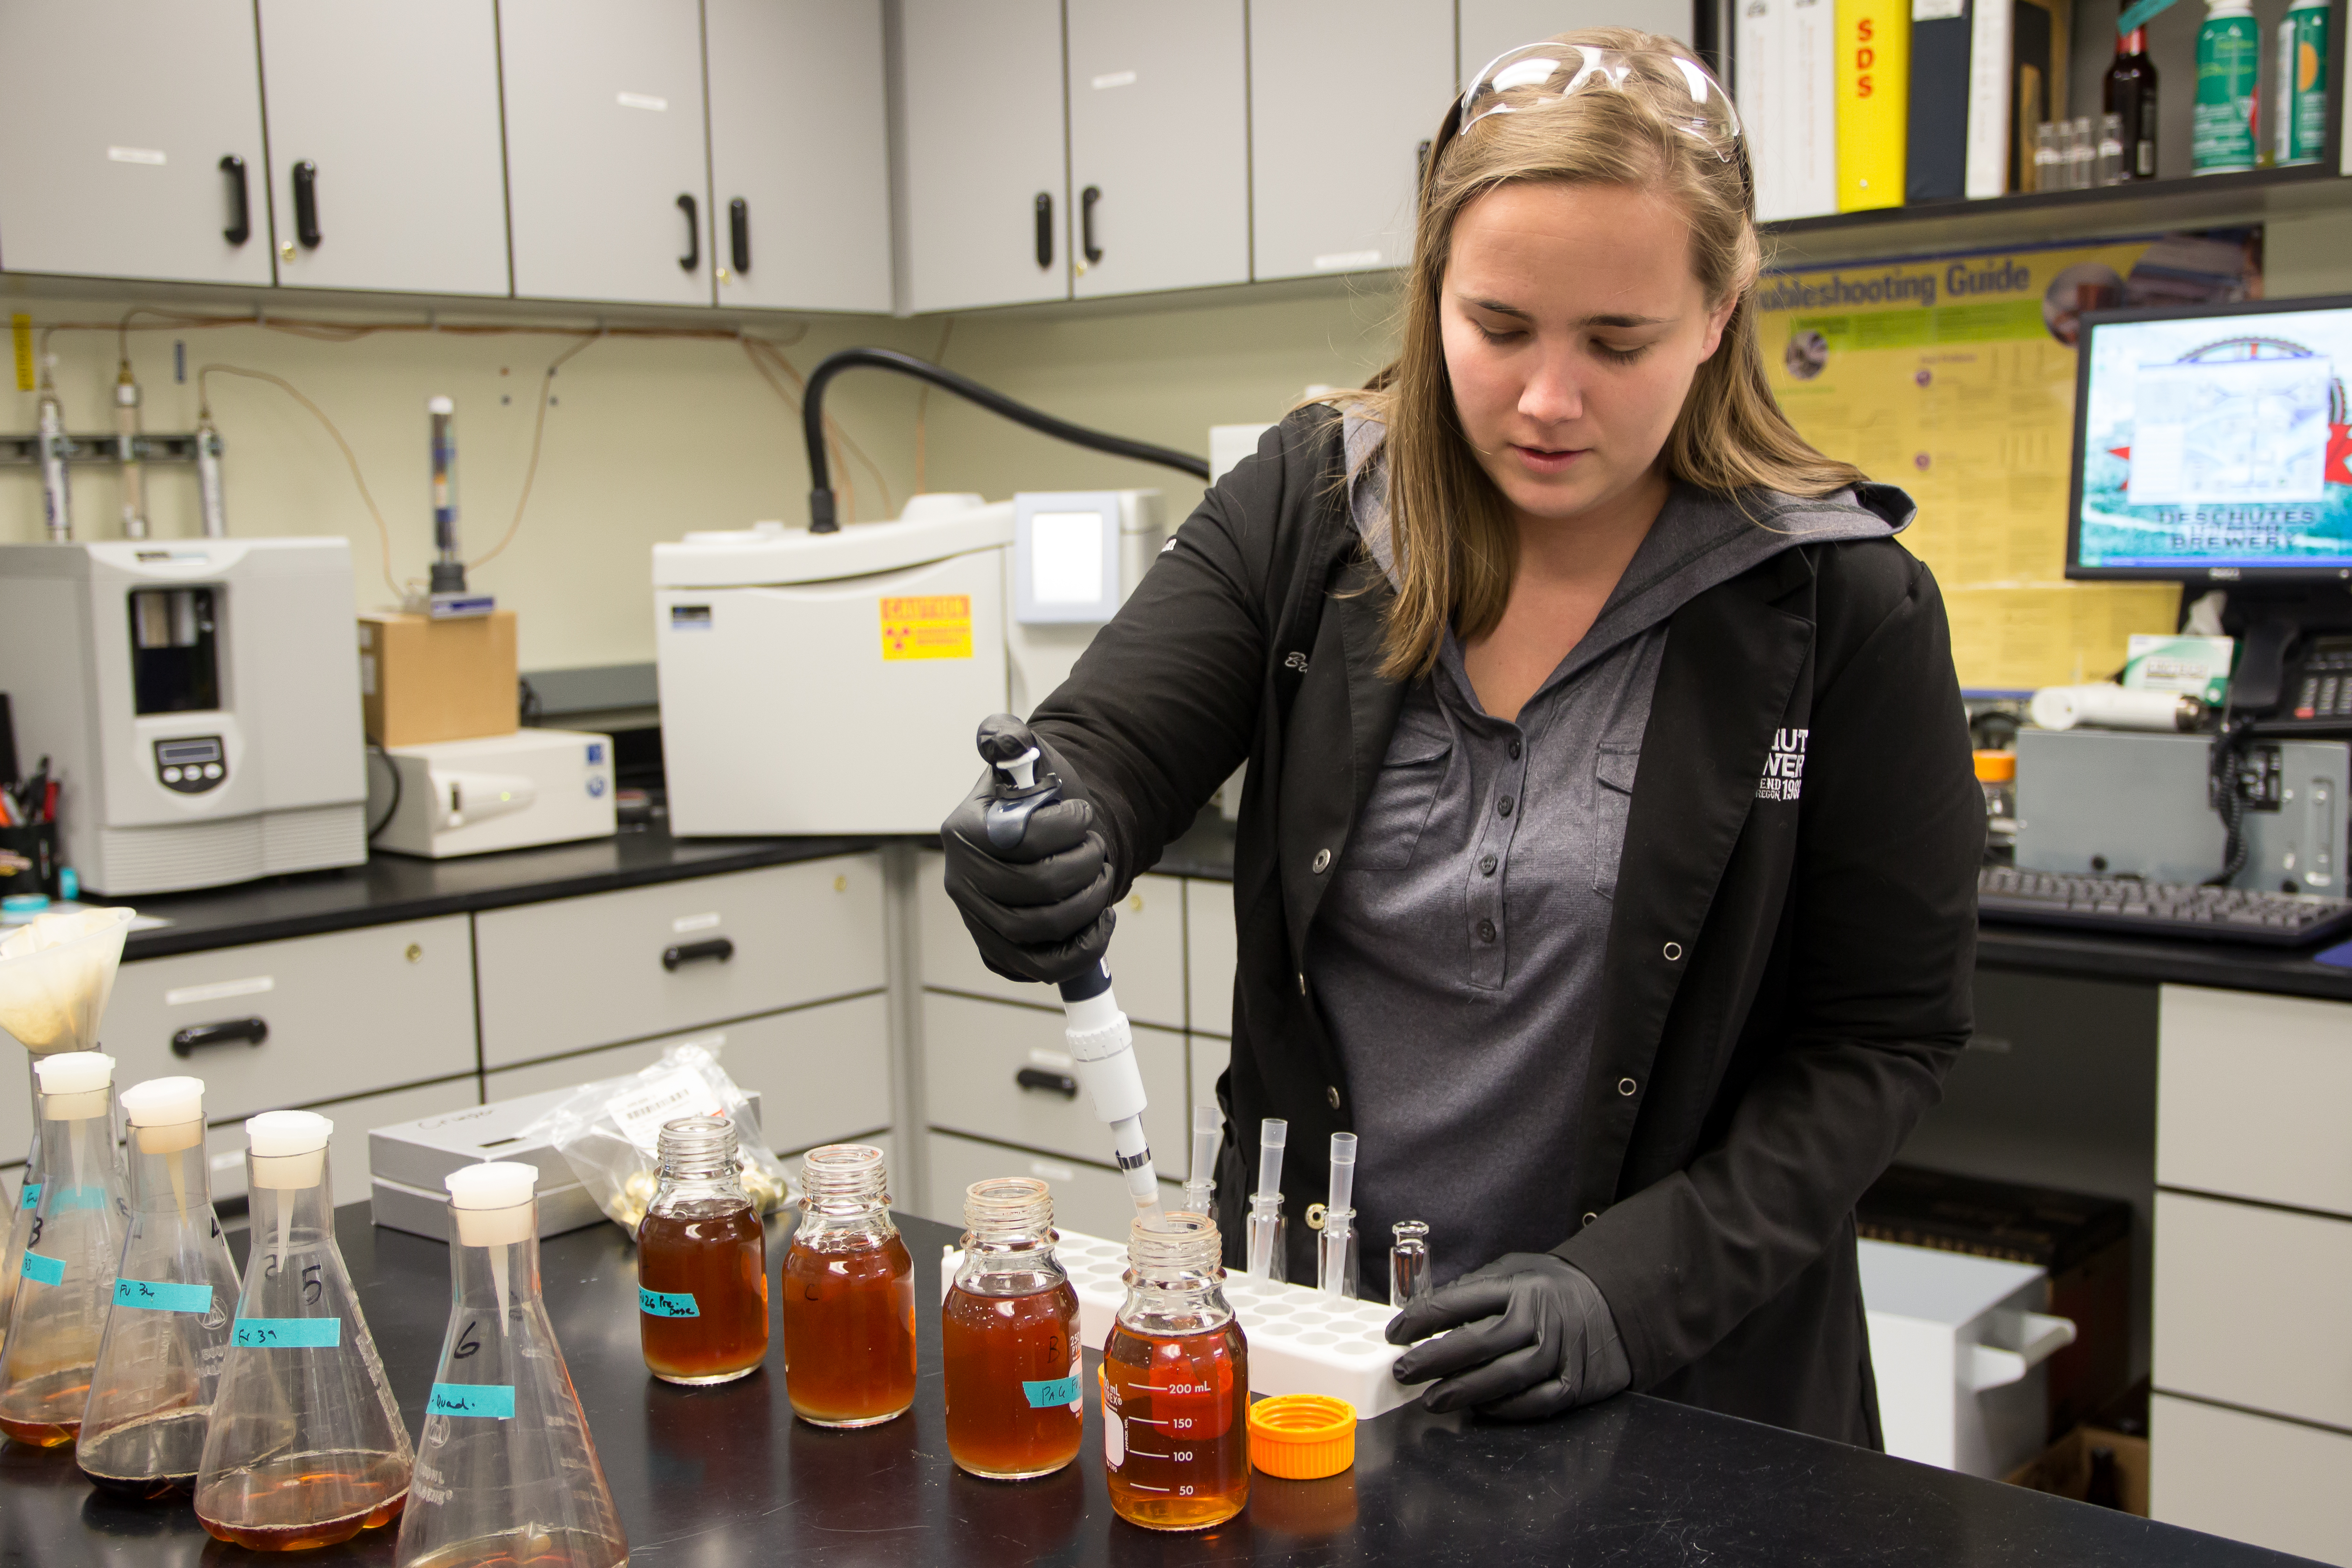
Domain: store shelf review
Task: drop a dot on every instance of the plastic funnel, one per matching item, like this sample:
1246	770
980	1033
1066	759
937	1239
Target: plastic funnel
56	975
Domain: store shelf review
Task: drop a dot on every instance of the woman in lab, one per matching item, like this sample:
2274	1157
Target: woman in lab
1607	855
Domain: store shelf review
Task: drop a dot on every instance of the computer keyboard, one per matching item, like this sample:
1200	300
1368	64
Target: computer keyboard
2158	909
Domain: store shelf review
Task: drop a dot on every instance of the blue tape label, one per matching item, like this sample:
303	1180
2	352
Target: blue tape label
289	1334
494	1400
1053	1391
44	1271
161	1296
32	1194
664	1304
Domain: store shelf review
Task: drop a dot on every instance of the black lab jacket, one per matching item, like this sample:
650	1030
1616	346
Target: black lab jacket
1788	979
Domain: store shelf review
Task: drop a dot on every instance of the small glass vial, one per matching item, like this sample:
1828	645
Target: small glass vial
1008	1333
2082	150
849	1295
1408	1262
2049	156
1175	1383
702	1261
2110	149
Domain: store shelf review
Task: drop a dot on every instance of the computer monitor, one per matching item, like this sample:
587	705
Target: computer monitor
2210	444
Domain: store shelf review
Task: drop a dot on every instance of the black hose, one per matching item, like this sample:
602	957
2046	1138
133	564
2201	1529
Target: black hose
821	508
393	809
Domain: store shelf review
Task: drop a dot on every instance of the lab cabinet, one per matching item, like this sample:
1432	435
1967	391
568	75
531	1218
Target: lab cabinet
1490	26
1091	1199
1338	118
2250	1308
607	184
2269	1483
995	1071
386	168
981	196
130	142
347	1146
2254	1094
273	1024
1211	952
610	967
1159	146
800	180
1147	950
823	1072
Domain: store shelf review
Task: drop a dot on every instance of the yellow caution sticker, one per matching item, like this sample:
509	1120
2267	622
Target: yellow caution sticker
21	329
926	626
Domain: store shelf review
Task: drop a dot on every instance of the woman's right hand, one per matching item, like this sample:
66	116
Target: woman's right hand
1042	909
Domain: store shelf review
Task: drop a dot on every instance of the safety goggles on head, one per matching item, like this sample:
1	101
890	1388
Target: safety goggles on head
1534	77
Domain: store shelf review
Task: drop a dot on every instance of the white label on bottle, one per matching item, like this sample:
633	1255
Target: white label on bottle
1114	1439
134	155
1340	259
685	923
253	986
641	1111
1115	79
640	100
1938	10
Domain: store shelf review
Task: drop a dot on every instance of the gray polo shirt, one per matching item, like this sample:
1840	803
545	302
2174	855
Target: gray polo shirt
1457	955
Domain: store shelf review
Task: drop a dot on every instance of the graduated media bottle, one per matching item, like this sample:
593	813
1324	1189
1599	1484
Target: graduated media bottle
702	1261
68	1242
167	1334
305	1448
849	1295
506	1473
1009	1335
1175	1383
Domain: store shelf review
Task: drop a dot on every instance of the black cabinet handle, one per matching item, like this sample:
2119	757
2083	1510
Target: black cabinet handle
1086	200
196	1036
240	205
693	256
305	203
739	234
718	950
1060	1083
1044	229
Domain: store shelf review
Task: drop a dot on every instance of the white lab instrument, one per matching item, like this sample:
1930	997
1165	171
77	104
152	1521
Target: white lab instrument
2107	706
781	652
496	792
199	699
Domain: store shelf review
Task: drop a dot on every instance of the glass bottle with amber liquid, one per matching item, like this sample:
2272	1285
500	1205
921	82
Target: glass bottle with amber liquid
702	1261
1009	1335
849	1295
1175	1383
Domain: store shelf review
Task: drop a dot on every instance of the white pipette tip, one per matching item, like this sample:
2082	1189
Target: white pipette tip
440	405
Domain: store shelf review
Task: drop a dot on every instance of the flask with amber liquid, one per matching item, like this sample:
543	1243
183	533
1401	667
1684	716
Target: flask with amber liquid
1008	1333
702	1261
1175	1383
849	1295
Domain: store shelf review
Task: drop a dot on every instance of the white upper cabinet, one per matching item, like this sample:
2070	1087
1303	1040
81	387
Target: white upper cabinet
1491	26
1159	145
981	191
384	156
1338	117
800	174
131	140
607	185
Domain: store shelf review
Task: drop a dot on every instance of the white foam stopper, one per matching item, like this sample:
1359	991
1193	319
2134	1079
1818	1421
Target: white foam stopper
440	405
491	1202
290	1148
164	1102
75	1072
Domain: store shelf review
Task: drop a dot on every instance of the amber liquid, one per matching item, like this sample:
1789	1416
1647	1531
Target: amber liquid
993	1346
1176	1427
849	1331
153	1458
60	1394
529	1548
275	1504
721	1260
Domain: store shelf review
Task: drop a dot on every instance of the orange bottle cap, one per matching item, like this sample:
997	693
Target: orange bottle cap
1302	1437
1996	767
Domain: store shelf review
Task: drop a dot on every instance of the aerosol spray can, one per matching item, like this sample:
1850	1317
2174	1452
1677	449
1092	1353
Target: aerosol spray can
2228	59
2299	91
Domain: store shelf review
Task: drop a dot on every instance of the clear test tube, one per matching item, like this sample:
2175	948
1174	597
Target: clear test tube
1336	1255
1208	1142
1408	1262
1264	1238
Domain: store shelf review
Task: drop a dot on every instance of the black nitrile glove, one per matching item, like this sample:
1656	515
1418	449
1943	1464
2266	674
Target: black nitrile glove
1042	909
1531	1337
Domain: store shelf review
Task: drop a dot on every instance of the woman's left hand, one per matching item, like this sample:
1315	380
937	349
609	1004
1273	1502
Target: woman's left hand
1531	1337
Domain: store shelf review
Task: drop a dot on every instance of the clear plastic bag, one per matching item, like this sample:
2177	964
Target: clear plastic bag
607	1131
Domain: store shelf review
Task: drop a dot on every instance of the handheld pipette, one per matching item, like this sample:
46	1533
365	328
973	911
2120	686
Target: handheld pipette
1208	1139
1265	1259
1101	1045
1336	1273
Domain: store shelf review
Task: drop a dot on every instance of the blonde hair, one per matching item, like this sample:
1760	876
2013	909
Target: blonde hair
1451	532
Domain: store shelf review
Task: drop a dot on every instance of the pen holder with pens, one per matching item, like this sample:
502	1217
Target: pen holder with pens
28	860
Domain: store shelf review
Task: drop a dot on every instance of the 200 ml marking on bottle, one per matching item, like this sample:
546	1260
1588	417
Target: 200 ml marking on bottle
289	1334
494	1401
44	1271
164	1296
667	1304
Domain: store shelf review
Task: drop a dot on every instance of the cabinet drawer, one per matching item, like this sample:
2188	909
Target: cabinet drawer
347	1013
823	1072
2252	1096
347	1148
580	972
2249	1307
1147	949
2267	1483
1210	947
1086	1197
971	1050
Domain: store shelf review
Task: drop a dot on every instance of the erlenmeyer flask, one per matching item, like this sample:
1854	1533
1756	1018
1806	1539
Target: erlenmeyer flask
305	1448
68	1243
174	1293
506	1473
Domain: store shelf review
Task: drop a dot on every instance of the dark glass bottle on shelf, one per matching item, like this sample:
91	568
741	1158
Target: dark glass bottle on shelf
2130	91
